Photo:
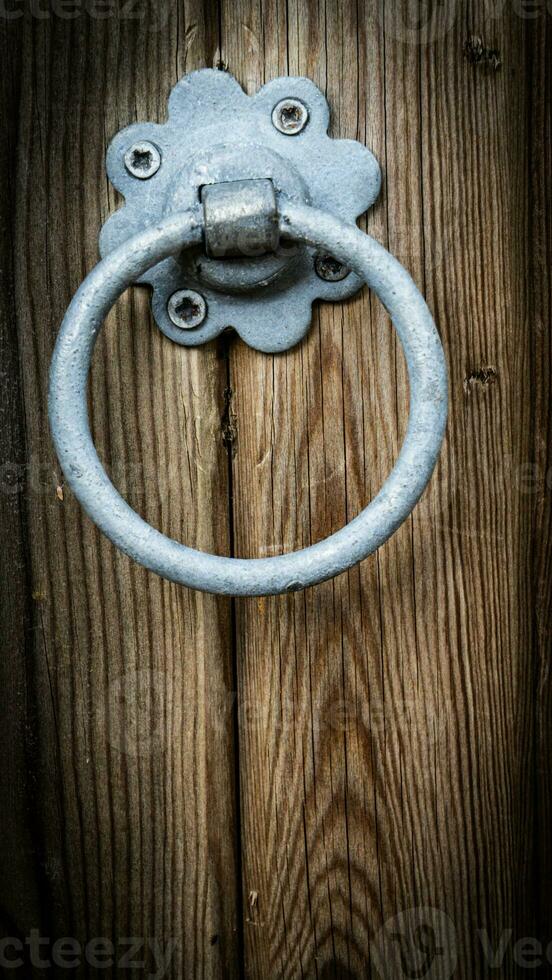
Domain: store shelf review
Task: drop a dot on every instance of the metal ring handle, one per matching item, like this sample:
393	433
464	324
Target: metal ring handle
257	576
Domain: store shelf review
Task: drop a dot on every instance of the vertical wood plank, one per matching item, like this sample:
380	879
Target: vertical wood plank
540	255
308	815
22	896
135	784
386	726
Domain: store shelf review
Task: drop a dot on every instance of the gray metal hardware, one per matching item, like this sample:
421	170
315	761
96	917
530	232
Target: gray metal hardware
290	116
241	219
217	134
187	309
142	160
255	221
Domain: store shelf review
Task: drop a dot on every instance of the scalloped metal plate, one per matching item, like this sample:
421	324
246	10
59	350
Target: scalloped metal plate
217	132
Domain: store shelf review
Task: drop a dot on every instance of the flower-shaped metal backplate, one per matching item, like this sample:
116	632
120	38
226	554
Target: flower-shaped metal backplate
215	132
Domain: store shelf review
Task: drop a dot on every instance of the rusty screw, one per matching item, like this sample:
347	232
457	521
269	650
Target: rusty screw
290	116
330	269
187	309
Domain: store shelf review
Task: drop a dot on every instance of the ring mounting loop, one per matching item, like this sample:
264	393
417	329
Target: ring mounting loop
241	218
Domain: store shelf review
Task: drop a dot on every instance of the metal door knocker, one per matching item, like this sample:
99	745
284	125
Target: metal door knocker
241	211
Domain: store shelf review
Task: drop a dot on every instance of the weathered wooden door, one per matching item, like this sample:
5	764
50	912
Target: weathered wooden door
265	788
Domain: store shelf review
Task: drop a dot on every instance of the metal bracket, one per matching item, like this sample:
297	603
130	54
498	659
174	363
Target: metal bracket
216	134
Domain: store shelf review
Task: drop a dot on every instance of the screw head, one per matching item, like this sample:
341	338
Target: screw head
142	160
290	116
187	309
330	269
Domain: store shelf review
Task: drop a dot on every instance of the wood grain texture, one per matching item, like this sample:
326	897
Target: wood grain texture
389	746
540	46
387	731
134	786
21	881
